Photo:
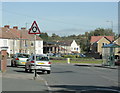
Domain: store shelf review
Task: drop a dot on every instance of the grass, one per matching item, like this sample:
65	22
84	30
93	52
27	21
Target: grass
84	61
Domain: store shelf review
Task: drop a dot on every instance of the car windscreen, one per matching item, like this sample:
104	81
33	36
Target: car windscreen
23	56
41	58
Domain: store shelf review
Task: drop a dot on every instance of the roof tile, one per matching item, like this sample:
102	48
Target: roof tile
11	33
97	38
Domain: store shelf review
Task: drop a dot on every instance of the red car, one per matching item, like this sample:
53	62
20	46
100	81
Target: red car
117	62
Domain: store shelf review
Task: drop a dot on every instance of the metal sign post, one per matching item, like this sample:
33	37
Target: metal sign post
34	30
35	72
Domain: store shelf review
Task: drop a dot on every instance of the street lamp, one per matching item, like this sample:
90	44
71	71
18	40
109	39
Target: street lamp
111	24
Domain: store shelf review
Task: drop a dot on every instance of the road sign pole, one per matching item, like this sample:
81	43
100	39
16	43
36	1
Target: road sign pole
34	30
35	56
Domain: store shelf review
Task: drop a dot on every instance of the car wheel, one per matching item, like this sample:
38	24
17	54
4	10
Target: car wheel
12	64
15	64
30	70
48	72
26	70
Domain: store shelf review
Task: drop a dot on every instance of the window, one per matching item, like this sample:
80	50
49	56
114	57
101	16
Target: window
32	43
104	44
39	44
74	48
77	48
41	58
23	55
5	42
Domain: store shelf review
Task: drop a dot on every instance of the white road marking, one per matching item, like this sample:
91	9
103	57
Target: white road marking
46	83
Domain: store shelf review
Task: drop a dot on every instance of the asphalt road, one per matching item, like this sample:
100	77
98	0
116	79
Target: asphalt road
77	78
64	77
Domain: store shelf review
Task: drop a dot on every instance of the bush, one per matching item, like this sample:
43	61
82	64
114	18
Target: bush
69	56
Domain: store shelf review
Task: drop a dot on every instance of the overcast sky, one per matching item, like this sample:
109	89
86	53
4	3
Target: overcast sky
62	18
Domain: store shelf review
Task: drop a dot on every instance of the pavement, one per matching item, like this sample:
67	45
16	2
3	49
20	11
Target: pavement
16	79
96	65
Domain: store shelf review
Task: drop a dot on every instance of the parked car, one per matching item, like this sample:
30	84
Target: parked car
117	62
57	54
42	63
19	59
79	55
82	55
50	54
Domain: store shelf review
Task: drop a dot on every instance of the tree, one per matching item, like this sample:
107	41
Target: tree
44	36
102	32
55	37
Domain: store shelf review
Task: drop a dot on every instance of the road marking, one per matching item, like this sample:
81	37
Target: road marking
46	83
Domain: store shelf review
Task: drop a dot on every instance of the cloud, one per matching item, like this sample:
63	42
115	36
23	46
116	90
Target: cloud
66	32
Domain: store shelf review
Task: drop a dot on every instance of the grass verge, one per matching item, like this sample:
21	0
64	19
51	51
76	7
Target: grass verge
81	61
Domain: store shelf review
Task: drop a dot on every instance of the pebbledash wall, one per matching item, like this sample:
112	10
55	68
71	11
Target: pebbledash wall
39	47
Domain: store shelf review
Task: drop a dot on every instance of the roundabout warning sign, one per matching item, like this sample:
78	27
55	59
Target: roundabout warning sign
34	29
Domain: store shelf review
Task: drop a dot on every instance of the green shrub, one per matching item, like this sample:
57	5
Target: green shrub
69	56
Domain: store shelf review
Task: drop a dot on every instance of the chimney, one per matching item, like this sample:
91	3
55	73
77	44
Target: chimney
15	27
23	28
7	26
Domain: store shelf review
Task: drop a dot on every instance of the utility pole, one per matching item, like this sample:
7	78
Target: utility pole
26	24
20	41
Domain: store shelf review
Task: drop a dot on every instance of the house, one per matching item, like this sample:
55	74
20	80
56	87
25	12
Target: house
117	50
98	41
69	47
75	48
19	40
50	47
61	47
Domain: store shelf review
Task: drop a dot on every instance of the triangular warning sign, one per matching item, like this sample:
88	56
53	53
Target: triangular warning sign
34	29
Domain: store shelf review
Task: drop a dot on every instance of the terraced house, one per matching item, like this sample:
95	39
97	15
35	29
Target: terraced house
18	40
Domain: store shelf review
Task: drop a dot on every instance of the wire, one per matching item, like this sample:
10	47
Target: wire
45	19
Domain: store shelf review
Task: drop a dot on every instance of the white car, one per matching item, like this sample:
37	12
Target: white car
42	63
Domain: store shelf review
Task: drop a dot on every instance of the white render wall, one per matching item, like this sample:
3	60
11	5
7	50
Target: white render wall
5	43
75	47
39	47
